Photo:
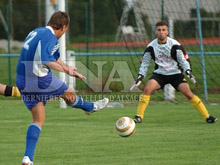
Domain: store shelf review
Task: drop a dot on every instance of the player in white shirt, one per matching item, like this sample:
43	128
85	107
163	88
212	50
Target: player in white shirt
170	61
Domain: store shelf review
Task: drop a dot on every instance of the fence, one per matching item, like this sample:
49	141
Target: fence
114	72
98	29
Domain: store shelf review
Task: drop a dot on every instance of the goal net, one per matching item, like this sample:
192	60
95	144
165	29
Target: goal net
117	39
109	37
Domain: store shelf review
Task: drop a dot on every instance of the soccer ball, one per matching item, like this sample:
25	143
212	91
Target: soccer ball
125	126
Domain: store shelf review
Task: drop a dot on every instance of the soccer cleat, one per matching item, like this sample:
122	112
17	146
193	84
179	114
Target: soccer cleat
26	161
137	119
15	92
211	119
98	105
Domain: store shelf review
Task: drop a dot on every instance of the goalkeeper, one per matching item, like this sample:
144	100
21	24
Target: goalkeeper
168	56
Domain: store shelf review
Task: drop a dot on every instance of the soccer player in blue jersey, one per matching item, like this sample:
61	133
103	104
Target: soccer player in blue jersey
40	54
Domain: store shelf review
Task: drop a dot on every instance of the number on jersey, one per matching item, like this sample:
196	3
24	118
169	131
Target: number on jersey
30	38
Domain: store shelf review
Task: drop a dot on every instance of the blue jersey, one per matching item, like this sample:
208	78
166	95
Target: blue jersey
40	47
34	79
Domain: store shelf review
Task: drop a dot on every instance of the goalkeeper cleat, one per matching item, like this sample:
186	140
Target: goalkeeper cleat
98	105
137	119
26	161
211	119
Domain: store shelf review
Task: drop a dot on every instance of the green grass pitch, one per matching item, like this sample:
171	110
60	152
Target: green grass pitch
171	134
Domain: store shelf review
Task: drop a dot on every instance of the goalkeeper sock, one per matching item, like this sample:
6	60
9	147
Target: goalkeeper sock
199	106
142	105
33	134
83	104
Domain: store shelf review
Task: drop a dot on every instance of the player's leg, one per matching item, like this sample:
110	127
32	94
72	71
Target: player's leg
151	86
33	133
77	102
9	91
196	102
2	89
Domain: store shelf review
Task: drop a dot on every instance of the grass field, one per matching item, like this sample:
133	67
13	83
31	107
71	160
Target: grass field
171	134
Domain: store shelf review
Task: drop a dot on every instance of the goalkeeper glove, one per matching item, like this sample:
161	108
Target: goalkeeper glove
191	77
137	82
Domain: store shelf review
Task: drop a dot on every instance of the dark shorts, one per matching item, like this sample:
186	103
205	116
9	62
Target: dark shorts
175	80
35	90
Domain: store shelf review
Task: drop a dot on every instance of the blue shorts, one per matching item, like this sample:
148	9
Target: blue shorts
39	89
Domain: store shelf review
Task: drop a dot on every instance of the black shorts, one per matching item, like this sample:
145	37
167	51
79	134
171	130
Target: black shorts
175	80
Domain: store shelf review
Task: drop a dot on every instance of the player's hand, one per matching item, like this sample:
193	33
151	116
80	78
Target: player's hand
137	82
191	77
72	72
72	68
69	70
78	75
141	59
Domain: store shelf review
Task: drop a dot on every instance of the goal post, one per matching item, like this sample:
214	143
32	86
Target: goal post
62	42
71	81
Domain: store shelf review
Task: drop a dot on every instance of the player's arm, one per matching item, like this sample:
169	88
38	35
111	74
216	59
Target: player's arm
62	67
145	63
186	66
65	67
50	57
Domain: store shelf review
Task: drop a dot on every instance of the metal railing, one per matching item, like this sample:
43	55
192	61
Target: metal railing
105	54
